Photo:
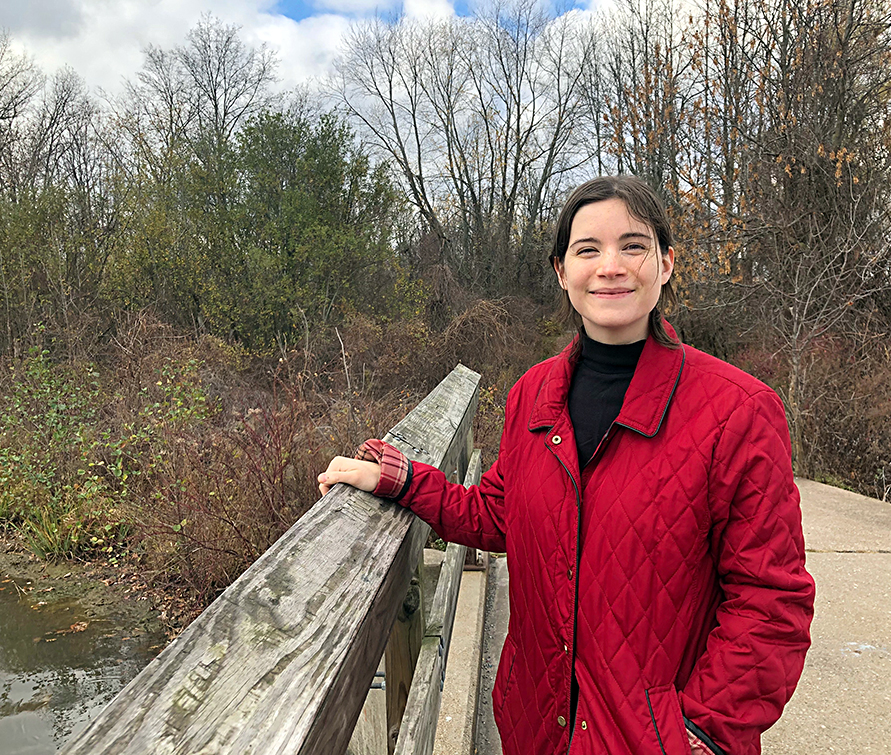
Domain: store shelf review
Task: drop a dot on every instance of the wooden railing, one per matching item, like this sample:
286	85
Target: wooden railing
283	660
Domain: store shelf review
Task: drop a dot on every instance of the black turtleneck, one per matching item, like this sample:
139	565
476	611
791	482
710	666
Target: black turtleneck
601	377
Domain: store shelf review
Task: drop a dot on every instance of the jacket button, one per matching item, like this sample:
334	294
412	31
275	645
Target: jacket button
556	440
561	720
569	574
584	724
566	648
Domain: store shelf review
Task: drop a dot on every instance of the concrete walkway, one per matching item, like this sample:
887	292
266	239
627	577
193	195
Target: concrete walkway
843	702
455	730
497	612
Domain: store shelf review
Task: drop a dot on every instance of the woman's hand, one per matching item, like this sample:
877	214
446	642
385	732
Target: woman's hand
363	475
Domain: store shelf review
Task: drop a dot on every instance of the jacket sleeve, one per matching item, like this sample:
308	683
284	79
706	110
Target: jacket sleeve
474	516
471	516
458	514
755	654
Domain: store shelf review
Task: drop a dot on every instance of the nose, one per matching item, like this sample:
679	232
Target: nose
612	264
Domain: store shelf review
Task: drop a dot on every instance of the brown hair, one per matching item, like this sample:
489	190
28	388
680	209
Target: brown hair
644	204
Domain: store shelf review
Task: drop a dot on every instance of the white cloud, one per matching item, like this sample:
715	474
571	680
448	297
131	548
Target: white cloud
102	40
437	9
601	6
49	17
306	49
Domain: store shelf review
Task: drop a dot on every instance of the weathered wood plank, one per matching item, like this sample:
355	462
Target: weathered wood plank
442	611
282	661
418	433
401	656
369	736
408	631
418	731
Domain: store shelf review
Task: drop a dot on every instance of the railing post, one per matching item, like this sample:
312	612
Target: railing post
408	630
418	732
402	656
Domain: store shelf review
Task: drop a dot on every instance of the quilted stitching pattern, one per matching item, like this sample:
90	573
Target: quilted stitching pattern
691	583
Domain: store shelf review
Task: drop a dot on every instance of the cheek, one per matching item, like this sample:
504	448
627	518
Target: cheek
661	272
650	271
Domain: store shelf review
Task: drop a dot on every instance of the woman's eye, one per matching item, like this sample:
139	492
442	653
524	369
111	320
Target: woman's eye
635	249
587	251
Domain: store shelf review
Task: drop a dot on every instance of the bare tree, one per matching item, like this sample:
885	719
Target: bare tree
229	81
478	116
379	84
818	200
158	114
20	82
193	98
788	189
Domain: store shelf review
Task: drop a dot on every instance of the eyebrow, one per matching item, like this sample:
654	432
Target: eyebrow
623	237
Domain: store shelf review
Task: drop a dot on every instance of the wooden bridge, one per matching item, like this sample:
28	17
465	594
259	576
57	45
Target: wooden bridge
283	660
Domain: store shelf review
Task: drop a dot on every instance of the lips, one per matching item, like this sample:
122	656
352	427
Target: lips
612	293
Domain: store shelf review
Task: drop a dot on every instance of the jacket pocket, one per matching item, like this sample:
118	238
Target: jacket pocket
504	677
703	738
664	709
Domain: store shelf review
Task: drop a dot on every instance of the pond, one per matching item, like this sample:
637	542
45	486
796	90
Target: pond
62	659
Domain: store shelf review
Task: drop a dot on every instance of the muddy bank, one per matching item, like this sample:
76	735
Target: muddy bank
119	594
72	635
105	595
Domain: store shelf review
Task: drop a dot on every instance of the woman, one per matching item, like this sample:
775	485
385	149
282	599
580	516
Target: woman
643	493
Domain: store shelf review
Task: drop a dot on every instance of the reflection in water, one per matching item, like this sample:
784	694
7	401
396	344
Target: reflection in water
58	669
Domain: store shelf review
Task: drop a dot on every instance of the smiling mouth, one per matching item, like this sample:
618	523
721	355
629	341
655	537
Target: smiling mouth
612	293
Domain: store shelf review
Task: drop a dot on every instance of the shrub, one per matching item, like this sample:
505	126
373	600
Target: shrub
51	489
222	495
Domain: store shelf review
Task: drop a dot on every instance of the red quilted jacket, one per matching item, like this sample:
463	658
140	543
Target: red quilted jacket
669	574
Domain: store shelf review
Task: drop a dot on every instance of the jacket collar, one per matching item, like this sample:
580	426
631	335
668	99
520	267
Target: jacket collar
646	400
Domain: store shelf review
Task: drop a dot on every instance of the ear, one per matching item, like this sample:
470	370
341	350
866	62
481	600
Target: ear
558	268
667	265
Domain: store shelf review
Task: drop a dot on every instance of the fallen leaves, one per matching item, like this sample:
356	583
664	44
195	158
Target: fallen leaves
77	626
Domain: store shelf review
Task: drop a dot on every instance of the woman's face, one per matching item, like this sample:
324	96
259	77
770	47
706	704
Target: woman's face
613	271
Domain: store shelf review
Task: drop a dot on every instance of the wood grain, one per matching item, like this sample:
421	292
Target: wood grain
281	662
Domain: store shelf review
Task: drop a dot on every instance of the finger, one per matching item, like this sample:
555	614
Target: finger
352	477
325	479
339	469
363	475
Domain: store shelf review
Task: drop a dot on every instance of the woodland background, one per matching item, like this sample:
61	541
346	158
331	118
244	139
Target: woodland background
208	288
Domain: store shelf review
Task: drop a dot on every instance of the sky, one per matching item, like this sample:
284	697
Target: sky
102	40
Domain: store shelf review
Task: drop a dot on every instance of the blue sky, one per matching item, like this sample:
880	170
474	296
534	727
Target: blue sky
295	9
298	10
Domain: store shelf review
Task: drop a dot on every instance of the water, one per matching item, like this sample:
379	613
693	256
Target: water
59	666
